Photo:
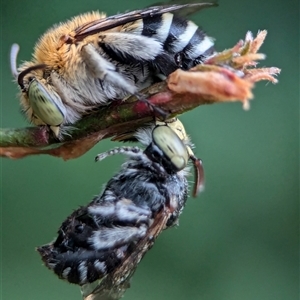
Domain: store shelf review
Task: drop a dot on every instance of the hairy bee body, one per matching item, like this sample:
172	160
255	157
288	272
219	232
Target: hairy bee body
92	59
150	188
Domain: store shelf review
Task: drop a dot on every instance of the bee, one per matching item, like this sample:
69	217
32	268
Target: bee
93	60
120	225
176	125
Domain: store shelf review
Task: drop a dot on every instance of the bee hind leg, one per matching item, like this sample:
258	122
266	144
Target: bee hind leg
119	222
112	237
122	211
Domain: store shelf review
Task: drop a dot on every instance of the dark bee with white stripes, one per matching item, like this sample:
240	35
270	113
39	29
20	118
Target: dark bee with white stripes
120	225
92	59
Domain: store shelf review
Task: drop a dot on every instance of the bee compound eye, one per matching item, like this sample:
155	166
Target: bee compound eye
179	162
46	104
171	145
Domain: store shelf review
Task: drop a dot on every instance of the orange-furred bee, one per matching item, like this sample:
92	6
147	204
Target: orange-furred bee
92	60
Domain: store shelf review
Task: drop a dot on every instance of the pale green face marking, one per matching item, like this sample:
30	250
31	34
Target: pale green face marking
172	146
45	105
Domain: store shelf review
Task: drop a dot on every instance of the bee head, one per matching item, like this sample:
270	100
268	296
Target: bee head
45	104
167	149
177	126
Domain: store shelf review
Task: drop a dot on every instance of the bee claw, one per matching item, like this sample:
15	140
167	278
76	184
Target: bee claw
160	112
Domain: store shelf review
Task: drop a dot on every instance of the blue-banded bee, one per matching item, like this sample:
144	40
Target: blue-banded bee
119	226
92	59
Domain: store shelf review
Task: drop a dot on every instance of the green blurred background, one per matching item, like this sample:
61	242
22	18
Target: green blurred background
239	239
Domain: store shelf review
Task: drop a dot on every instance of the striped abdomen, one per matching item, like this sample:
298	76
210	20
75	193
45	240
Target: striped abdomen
184	44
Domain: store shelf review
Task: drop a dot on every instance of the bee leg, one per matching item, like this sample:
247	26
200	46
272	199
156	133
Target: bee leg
160	112
111	237
103	69
122	211
119	221
128	47
66	94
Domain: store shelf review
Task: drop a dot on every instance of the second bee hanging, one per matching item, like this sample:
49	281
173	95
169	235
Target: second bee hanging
119	226
92	60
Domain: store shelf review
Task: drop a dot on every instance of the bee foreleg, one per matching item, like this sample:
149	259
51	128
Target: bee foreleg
161	113
128	47
103	69
67	94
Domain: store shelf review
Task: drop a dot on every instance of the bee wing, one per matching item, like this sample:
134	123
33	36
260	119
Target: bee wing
190	8
121	19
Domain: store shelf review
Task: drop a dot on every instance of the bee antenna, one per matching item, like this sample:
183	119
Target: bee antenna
199	175
132	151
26	71
13	59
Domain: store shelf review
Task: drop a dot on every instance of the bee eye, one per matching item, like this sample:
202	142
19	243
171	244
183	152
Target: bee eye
179	162
174	152
46	104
